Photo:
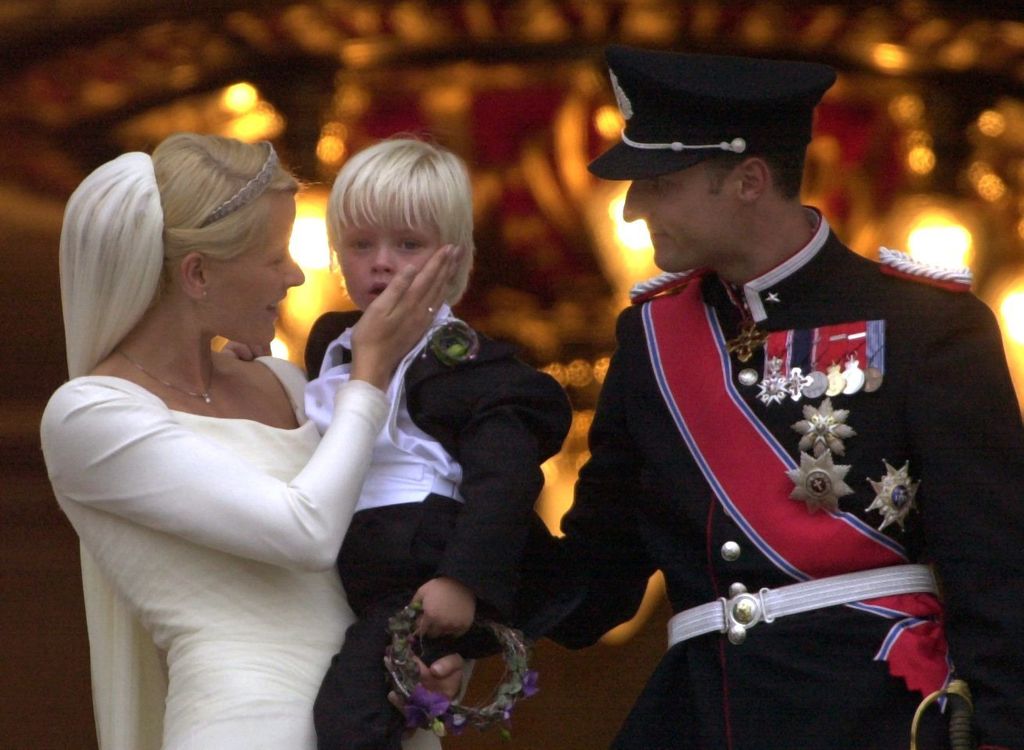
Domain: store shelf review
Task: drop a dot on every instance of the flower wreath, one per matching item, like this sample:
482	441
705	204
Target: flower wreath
426	709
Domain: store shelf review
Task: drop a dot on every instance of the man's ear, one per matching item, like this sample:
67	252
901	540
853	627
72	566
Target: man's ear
754	178
192	275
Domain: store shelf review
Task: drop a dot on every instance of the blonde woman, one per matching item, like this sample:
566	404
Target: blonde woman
209	509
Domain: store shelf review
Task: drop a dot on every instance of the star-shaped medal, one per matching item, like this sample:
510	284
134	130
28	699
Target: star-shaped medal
819	482
824	429
772	388
894	495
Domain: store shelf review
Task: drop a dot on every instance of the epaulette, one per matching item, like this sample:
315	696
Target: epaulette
895	263
662	284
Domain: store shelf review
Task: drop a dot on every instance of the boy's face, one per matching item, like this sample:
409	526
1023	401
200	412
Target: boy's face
371	256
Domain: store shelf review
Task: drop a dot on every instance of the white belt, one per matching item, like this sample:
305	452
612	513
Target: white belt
743	610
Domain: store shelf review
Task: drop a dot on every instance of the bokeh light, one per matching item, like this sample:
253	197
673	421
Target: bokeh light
938	239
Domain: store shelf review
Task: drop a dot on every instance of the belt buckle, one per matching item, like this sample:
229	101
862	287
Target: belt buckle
742	611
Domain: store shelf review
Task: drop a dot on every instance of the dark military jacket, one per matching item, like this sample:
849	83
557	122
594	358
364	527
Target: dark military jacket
946	408
500	419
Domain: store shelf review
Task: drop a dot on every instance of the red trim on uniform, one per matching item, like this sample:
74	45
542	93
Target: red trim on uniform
669	286
953	286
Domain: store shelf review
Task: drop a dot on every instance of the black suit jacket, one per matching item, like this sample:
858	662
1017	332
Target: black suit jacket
810	681
500	419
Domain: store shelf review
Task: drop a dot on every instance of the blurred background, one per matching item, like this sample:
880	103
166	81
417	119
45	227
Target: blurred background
919	147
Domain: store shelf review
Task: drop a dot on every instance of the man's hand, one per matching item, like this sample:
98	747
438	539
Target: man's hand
448	608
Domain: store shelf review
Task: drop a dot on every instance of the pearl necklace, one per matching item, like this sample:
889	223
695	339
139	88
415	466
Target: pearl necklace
204	394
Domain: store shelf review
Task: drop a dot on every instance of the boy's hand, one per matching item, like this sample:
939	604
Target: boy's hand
447	676
448	608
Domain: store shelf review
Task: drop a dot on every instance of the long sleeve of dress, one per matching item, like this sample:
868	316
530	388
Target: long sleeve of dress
114	447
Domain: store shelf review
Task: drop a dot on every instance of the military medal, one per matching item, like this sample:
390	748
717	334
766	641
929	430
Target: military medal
819	482
853	376
825	361
816	384
746	342
874	372
836	382
872	379
772	388
781	380
824	429
894	495
796	382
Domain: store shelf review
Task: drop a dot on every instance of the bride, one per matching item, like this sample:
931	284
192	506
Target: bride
209	510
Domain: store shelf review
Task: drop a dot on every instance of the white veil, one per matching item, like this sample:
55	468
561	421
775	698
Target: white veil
111	260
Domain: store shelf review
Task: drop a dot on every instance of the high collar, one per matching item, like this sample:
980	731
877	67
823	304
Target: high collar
831	275
759	292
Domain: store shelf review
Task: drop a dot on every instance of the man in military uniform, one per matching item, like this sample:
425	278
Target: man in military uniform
823	454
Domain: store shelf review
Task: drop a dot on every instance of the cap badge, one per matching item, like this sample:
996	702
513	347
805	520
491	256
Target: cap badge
620	96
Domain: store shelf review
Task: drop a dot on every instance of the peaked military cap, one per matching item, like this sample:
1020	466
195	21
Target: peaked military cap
680	108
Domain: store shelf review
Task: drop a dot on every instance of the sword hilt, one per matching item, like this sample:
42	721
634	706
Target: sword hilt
961	709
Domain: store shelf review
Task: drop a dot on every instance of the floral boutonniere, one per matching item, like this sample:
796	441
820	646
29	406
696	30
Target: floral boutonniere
454	343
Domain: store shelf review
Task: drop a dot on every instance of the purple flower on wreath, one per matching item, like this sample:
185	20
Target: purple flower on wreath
455	723
423	707
530	683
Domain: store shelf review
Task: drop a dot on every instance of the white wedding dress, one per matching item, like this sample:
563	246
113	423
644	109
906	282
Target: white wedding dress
208	545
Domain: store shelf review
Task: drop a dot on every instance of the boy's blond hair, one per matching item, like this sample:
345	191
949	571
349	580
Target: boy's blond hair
405	182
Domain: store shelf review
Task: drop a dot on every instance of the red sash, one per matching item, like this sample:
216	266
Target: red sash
745	467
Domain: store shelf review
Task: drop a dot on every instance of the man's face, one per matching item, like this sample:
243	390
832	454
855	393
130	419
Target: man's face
686	214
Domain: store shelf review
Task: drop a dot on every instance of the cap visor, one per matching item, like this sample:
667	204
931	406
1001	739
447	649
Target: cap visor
624	162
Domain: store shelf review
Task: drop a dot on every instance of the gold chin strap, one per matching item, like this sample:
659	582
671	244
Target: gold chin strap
959	720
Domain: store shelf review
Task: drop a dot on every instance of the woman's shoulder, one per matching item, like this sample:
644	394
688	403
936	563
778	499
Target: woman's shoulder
80	404
290	376
95	390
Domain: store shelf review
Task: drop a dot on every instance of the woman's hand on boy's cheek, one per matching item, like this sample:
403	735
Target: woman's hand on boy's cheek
448	607
246	352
